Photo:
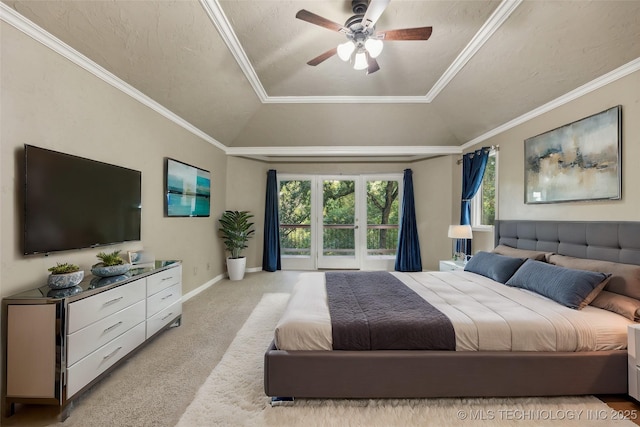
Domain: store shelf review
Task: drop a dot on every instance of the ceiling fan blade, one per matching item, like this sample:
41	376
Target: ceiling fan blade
373	65
422	33
374	11
321	58
312	18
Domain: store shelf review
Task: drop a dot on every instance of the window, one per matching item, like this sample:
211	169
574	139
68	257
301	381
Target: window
483	205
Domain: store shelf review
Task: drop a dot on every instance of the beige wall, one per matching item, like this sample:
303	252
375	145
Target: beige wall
49	102
432	195
625	92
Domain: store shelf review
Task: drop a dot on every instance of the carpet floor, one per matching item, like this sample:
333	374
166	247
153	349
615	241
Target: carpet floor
233	396
159	385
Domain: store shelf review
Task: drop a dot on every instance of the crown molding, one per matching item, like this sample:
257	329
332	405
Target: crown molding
345	100
495	21
357	151
612	76
222	24
13	18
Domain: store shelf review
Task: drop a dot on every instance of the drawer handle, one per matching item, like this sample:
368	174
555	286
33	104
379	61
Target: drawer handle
113	301
168	296
112	353
167	316
166	278
111	327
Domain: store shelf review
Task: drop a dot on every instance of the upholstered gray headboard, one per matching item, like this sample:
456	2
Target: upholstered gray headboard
602	240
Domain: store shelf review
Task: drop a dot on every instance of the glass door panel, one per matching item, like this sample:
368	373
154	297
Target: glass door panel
382	211
339	246
296	237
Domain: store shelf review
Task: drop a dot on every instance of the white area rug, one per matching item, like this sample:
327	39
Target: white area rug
233	395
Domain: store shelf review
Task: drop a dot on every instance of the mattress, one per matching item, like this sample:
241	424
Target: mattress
486	315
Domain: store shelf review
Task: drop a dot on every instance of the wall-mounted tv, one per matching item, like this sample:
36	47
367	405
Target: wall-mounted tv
72	202
188	190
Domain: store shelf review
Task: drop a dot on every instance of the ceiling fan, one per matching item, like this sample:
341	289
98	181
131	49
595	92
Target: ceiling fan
363	43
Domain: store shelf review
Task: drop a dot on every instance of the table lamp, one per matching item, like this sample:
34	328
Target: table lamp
460	232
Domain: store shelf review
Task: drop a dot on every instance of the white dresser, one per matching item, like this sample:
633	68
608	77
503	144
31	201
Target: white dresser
60	342
633	357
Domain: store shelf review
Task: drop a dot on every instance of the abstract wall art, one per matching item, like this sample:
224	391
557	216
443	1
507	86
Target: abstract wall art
575	162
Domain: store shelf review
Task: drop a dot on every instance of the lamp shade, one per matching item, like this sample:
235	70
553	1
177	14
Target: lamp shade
460	232
374	46
345	50
360	62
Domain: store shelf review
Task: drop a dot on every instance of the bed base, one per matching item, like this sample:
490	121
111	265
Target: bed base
423	374
415	374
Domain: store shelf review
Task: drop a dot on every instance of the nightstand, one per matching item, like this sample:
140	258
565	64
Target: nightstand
451	265
633	351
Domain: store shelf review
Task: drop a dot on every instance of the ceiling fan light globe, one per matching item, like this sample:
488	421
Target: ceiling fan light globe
374	47
345	50
360	62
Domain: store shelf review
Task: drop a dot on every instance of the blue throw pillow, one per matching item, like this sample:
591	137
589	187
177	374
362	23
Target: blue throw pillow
494	266
569	287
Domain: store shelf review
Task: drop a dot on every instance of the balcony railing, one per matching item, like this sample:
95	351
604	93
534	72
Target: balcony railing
338	239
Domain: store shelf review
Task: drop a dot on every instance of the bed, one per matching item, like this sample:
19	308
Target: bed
494	371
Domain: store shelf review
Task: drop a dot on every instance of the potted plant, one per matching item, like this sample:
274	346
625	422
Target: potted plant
64	276
236	230
111	264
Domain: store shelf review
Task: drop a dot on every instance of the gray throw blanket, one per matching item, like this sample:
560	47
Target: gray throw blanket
376	311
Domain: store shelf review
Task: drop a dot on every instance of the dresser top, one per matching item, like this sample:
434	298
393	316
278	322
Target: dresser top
91	284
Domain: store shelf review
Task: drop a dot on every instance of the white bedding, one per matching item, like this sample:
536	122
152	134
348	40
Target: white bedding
486	316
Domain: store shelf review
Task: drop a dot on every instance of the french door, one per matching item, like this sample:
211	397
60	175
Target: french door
339	221
338	228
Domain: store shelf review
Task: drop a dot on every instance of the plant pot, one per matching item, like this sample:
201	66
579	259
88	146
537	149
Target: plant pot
102	270
65	280
236	267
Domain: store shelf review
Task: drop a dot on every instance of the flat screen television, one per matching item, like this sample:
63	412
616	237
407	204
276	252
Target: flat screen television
72	203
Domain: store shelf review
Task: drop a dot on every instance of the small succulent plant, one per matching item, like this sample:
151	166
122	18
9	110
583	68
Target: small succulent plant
109	259
63	268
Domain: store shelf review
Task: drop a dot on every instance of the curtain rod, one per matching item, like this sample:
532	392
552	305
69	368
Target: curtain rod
491	148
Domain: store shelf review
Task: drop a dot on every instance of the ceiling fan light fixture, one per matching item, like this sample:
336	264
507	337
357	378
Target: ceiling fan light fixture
345	50
374	47
360	62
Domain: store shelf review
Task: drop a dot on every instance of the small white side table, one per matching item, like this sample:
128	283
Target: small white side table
451	265
633	350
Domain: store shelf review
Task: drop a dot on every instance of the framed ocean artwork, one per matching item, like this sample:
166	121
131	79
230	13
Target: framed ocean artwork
188	190
578	161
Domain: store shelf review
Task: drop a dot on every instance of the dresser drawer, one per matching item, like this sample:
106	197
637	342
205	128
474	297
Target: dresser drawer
84	312
163	280
161	319
163	299
83	372
88	339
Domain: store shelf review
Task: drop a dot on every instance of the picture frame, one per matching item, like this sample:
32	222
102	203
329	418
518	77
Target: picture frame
134	257
141	258
187	190
579	161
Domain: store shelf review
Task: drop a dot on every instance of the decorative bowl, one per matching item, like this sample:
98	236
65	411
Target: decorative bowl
61	293
65	280
101	270
98	282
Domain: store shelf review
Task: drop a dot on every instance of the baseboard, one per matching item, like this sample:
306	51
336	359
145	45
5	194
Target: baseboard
212	282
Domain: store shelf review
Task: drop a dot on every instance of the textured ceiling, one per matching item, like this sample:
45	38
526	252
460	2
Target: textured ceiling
237	69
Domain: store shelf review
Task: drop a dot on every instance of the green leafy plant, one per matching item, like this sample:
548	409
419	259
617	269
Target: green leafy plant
236	230
109	259
62	268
